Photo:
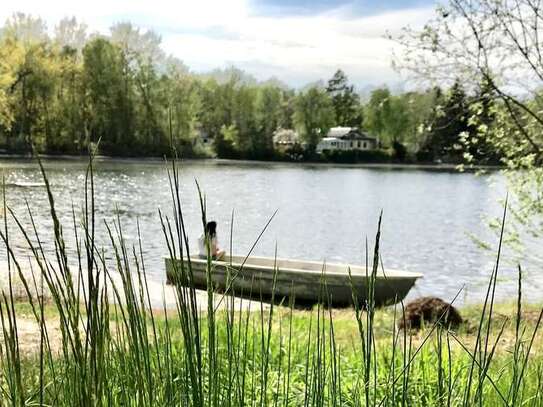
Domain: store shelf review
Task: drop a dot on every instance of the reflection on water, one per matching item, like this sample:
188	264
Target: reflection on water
324	212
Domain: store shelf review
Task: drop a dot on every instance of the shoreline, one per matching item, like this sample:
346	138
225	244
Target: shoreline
247	162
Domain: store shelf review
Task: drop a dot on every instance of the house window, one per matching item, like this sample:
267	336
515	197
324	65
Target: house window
351	144
365	144
359	143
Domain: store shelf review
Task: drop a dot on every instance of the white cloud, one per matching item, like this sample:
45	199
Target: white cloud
207	34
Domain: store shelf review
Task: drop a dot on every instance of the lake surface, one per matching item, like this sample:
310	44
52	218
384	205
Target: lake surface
323	213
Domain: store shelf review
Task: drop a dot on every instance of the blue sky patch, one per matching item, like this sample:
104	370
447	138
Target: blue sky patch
285	8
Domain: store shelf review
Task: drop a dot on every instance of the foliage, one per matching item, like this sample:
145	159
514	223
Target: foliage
7	79
358	156
70	91
387	116
313	117
269	117
422	110
346	101
492	48
449	125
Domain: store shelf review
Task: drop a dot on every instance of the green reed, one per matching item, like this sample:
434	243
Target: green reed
114	349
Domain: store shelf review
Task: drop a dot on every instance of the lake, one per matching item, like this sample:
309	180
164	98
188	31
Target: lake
323	213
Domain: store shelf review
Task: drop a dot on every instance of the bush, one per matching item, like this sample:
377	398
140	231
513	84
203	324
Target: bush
424	156
356	156
400	152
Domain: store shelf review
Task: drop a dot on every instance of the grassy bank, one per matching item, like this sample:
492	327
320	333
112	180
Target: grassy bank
311	357
88	350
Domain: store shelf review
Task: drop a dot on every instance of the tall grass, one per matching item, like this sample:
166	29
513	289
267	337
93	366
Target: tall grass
115	349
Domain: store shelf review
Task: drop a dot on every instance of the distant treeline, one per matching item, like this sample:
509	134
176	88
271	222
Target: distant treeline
120	94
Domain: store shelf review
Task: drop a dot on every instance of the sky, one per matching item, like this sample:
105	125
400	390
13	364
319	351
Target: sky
296	41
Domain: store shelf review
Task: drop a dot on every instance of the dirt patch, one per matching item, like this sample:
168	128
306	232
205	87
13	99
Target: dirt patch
29	336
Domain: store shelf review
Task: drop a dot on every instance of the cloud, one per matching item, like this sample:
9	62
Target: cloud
209	34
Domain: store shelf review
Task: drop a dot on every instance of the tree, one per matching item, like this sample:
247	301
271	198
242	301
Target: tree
345	101
486	41
396	120
29	70
244	119
377	112
450	127
71	34
67	108
26	29
397	126
183	106
269	113
387	116
141	56
477	143
313	116
8	77
109	97
422	110
216	112
496	43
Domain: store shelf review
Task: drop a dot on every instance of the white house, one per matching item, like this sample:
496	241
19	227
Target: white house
346	139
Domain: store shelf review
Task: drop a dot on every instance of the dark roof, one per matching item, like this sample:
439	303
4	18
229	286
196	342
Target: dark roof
357	135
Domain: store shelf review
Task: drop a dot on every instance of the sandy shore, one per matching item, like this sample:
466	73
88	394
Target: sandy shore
161	295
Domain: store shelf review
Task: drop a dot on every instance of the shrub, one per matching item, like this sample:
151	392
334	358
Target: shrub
356	156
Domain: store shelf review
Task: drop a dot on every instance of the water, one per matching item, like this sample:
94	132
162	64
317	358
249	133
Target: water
323	213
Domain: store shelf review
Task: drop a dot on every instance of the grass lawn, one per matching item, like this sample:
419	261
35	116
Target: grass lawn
303	357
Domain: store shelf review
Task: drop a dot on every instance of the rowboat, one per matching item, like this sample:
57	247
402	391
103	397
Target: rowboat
306	282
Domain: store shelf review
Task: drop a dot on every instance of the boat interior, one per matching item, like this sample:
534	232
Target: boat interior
304	265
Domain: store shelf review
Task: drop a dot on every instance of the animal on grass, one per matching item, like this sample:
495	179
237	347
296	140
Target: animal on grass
426	311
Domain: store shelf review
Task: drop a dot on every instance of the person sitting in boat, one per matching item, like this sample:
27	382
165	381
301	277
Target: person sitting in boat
211	233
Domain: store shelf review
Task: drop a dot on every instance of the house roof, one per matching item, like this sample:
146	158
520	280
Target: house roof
348	133
337	132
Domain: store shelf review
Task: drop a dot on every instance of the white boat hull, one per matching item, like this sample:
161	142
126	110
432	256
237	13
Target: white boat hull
306	281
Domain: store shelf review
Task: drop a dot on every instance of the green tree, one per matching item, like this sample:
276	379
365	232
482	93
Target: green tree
345	100
31	74
244	118
269	113
497	42
313	116
8	61
216	112
421	111
183	105
450	126
377	113
140	54
67	109
108	95
387	116
477	143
